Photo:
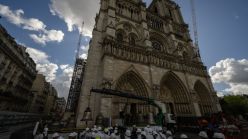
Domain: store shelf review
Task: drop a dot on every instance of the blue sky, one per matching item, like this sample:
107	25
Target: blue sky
222	27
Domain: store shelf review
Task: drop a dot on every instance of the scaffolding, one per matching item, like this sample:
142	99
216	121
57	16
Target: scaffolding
77	78
76	83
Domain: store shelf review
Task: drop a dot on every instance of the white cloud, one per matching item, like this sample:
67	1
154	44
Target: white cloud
48	36
49	70
233	73
15	17
237	89
38	56
33	24
43	65
64	66
74	12
220	94
63	81
83	52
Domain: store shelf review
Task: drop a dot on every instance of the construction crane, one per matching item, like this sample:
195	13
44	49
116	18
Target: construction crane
195	31
79	41
76	81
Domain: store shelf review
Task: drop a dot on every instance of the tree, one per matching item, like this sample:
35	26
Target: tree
234	105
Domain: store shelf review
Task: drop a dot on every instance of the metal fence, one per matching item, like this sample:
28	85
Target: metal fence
16	118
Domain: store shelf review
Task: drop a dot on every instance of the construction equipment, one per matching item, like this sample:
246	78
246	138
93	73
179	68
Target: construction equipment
194	21
195	31
126	95
77	77
79	41
161	117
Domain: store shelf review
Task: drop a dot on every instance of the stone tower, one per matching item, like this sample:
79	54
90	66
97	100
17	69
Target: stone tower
148	52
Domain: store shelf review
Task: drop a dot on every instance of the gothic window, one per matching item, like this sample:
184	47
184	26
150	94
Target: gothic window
119	37
185	55
156	45
132	39
170	14
156	10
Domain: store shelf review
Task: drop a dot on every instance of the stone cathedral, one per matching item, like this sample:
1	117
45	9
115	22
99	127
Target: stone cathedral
148	52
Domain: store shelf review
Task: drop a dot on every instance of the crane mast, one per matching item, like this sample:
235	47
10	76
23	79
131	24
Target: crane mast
77	78
195	31
79	41
193	10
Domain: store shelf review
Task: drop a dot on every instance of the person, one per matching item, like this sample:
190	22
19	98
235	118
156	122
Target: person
169	134
115	135
134	132
138	133
128	134
100	132
143	135
36	128
72	135
45	135
38	135
183	136
155	135
83	134
94	134
111	130
55	136
149	133
160	133
106	134
218	135
203	135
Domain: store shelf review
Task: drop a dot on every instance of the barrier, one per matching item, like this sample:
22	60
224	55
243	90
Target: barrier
16	118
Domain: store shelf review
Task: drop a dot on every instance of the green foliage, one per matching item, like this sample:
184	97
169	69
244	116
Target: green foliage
234	105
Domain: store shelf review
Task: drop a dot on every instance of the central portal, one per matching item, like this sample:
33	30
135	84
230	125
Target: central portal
130	111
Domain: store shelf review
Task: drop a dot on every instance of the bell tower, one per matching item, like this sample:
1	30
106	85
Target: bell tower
148	52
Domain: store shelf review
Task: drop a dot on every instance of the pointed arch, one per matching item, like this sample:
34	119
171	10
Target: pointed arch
161	39
204	97
178	93
128	28
131	80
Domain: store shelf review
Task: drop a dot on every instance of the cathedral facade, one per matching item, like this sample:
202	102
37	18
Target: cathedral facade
148	52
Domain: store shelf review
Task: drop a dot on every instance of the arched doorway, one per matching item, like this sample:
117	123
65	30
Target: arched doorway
204	98
133	110
174	94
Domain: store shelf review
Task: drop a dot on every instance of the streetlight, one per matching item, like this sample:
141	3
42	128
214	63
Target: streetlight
87	116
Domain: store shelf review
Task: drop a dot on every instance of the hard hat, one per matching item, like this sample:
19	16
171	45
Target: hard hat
143	133
160	128
203	134
183	136
45	129
73	134
138	130
116	131
218	136
154	133
128	133
99	128
168	132
106	130
55	135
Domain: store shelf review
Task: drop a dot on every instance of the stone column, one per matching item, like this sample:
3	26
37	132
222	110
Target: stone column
195	100
147	41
